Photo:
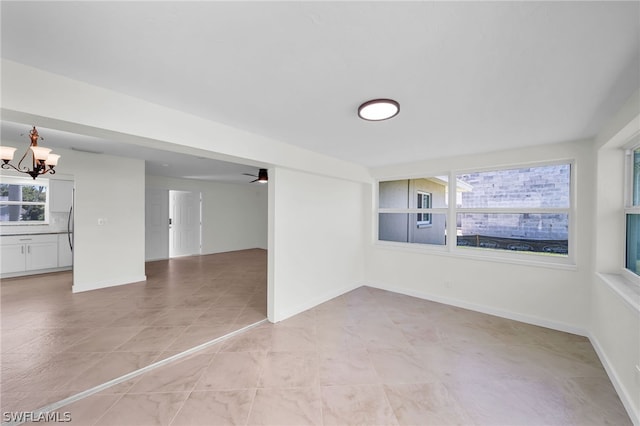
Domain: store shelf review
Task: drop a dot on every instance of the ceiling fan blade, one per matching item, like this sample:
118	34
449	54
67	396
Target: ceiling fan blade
248	174
253	181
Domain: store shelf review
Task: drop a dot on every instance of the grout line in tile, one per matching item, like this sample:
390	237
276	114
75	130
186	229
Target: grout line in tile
253	400
136	373
104	413
184	401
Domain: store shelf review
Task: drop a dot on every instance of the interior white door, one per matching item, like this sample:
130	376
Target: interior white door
184	234
156	224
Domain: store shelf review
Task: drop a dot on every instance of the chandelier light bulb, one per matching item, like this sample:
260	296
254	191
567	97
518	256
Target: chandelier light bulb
40	153
6	153
52	160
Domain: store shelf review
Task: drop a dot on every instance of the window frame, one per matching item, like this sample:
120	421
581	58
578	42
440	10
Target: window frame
410	209
421	222
628	207
14	180
505	256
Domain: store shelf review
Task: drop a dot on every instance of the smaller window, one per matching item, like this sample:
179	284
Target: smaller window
423	202
24	201
413	211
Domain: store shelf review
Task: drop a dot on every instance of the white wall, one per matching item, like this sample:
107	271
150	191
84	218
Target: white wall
234	216
615	333
109	188
554	297
614	322
316	234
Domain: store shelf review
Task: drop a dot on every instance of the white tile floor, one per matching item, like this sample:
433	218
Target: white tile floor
55	343
368	357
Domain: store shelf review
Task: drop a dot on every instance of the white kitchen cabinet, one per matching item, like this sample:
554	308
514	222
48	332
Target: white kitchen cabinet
21	253
42	255
60	195
65	257
13	258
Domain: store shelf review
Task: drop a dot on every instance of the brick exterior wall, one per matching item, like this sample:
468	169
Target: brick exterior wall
534	187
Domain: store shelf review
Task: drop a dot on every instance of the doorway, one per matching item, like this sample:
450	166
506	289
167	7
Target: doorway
185	212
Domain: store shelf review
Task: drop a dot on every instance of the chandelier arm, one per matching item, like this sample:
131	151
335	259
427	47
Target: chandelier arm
37	171
19	168
9	165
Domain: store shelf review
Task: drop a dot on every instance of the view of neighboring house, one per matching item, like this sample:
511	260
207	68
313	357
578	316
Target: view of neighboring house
422	228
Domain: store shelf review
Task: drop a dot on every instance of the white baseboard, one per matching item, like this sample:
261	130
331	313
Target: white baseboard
529	319
617	384
35	272
281	316
80	287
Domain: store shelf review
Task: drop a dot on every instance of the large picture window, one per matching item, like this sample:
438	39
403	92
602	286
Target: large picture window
519	209
23	201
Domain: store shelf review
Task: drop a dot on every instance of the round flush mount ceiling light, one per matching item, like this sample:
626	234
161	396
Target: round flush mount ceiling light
378	109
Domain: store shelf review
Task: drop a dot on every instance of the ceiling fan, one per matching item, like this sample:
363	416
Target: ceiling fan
262	176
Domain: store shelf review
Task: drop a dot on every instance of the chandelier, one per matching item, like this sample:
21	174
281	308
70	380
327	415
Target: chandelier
42	161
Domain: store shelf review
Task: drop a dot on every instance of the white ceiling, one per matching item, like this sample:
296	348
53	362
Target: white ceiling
157	162
470	76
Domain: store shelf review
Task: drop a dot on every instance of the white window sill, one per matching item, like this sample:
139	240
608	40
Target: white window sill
486	255
628	290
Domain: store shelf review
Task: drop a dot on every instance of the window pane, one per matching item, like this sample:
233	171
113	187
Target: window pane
403	228
633	240
21	213
34	193
404	194
10	192
29	193
530	187
541	233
